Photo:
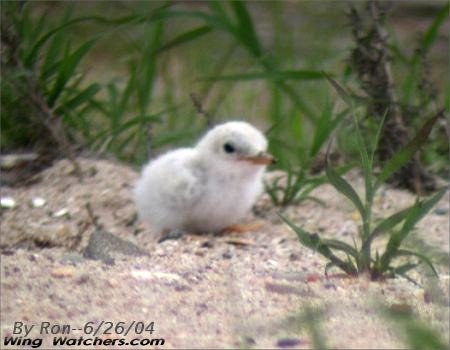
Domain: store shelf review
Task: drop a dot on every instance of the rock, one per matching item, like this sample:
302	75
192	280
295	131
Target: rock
102	245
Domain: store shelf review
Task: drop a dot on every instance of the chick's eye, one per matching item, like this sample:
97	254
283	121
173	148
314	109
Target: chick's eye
228	148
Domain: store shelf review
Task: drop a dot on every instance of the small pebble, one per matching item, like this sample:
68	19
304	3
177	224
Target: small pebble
441	211
82	279
330	286
249	341
207	244
7	202
38	202
32	258
62	272
294	257
61	212
182	288
227	255
288	342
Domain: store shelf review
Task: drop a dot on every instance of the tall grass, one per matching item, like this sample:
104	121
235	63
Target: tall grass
45	67
119	77
360	258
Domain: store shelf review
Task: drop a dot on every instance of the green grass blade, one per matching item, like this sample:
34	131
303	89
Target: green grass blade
127	93
270	75
314	242
365	163
272	190
171	137
55	48
220	11
340	184
34	51
32	31
342	92
342	246
423	207
81	98
416	213
185	38
405	154
31	55
403	269
396	240
52	60
136	121
147	70
330	264
118	146
432	32
324	128
111	109
296	99
303	197
421	257
311	321
387	224
418	334
67	69
376	140
287	189
216	21
245	29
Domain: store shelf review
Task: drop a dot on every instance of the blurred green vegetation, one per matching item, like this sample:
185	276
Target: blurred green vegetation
120	74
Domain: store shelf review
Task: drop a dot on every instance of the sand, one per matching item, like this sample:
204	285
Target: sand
239	290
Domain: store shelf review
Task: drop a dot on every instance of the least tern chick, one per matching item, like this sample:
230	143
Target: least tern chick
206	188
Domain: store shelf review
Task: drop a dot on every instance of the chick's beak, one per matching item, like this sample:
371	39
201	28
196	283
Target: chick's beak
262	158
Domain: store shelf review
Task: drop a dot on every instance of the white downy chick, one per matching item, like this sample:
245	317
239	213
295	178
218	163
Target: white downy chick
206	188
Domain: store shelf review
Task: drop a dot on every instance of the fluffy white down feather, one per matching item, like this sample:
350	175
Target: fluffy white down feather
205	188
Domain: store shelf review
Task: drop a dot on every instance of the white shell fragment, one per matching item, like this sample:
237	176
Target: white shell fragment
7	202
149	275
61	212
141	274
38	202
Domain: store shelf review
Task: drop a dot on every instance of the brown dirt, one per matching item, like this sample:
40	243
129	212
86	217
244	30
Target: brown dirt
237	290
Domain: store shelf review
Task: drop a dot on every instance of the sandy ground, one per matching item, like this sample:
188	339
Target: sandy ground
231	291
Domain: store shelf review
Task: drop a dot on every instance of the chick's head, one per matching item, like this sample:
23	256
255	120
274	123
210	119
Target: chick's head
235	144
